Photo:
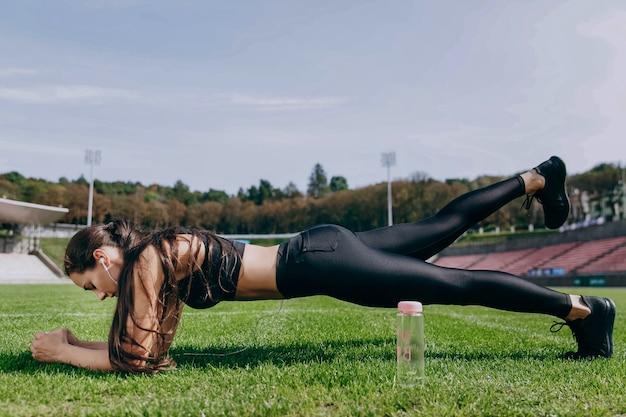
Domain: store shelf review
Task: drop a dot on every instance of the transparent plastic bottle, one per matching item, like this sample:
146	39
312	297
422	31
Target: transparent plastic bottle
410	344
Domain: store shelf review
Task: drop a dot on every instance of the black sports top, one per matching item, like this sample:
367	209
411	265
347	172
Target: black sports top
217	279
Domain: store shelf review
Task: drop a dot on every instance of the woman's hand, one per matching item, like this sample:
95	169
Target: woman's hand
63	347
49	347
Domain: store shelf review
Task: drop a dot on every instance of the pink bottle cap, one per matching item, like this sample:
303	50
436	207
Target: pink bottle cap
410	307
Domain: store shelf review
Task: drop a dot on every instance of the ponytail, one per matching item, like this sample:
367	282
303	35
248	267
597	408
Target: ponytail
79	252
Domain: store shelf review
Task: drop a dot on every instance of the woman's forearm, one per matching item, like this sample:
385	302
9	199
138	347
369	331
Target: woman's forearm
92	359
88	344
60	346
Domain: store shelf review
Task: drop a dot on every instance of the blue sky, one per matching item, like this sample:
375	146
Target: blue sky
221	94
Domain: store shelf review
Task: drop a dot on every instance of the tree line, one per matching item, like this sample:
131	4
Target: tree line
266	209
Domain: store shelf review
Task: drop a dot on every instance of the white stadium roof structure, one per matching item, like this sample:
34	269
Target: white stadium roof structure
19	212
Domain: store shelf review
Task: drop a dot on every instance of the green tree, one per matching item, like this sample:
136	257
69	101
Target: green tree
338	184
181	192
318	183
14	178
215	195
265	192
291	191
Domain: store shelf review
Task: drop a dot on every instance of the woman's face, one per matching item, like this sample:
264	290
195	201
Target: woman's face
101	279
96	280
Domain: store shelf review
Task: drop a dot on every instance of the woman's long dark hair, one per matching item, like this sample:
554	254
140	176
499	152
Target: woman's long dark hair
133	241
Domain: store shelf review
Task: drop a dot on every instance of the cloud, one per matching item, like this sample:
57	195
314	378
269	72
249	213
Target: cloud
276	103
48	149
607	98
66	94
610	28
14	72
112	4
71	94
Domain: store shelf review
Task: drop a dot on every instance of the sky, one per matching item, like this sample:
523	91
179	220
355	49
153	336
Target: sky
221	94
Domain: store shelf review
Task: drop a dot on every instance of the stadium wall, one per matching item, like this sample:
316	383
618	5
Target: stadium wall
596	280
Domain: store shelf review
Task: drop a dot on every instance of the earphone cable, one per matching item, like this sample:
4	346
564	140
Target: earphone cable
254	337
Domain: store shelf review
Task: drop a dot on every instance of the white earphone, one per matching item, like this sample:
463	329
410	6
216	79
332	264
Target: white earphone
103	263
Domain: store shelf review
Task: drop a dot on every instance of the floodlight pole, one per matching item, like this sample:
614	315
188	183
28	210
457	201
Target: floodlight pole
624	192
389	159
91	158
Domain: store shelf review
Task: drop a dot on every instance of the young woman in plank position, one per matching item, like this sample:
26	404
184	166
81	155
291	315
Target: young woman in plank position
154	274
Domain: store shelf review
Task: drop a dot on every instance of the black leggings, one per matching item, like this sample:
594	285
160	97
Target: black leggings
380	267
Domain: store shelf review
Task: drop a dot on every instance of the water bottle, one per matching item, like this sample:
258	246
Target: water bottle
410	344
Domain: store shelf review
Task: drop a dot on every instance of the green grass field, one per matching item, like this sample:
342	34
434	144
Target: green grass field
316	357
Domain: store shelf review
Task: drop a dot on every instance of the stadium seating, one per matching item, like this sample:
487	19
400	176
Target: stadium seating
613	261
537	258
460	261
573	258
583	254
500	260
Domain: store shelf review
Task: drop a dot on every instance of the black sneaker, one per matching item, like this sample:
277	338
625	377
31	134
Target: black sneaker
553	196
594	333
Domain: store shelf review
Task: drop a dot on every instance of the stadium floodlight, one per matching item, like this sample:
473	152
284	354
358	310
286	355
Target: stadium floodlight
91	158
389	159
624	192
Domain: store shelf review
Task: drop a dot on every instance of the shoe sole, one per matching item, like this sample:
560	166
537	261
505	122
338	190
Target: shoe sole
610	305
559	162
